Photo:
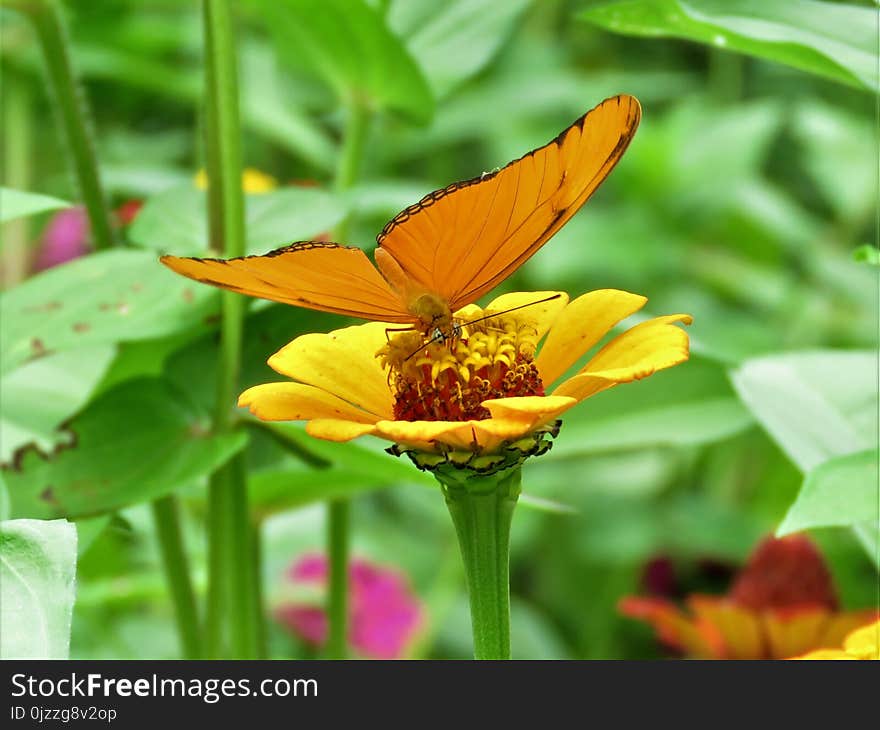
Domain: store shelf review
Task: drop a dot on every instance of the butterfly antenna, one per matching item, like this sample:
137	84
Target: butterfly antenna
512	309
482	319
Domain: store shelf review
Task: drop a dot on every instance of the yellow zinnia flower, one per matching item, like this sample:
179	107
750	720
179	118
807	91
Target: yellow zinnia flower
481	400
863	643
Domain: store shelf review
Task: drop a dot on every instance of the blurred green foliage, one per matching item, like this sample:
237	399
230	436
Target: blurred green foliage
741	201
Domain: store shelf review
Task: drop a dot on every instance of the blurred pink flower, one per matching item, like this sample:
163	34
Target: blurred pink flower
384	614
66	238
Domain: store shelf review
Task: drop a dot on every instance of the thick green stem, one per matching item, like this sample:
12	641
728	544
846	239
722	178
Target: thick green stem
17	153
482	510
337	584
231	566
72	110
167	520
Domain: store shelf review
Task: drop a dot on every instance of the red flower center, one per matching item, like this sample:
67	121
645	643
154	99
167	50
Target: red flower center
785	573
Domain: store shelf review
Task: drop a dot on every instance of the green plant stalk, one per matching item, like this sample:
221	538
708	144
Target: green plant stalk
337	593
73	111
229	530
166	516
17	152
482	508
347	170
350	157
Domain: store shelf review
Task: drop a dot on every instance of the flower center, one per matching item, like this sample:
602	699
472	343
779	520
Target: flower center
436	380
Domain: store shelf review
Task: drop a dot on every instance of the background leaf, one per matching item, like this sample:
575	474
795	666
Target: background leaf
40	395
174	221
840	492
453	41
835	40
110	296
348	45
18	204
815	405
37	588
136	442
688	405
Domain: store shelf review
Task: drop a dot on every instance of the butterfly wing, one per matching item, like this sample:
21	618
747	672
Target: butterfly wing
310	274
463	240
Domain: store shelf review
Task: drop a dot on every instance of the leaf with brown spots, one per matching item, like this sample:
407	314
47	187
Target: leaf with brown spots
136	442
104	298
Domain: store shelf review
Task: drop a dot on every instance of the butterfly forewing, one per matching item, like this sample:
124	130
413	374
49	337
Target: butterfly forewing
463	240
311	274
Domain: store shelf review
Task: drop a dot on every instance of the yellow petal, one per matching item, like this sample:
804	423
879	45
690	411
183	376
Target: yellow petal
826	654
635	354
334	429
739	627
342	362
298	402
582	387
581	325
793	632
864	643
484	436
542	315
535	410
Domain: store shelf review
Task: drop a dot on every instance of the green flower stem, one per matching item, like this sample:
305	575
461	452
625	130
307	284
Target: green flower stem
337	591
482	510
232	613
357	127
72	109
167	520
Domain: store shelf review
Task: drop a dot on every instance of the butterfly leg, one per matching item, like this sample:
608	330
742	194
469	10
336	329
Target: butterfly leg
397	329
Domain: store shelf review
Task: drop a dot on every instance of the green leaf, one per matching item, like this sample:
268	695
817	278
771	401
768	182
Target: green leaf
835	144
690	404
323	471
840	492
18	204
37	588
867	254
110	296
348	45
262	107
815	405
175	219
454	41
834	40
40	395
139	441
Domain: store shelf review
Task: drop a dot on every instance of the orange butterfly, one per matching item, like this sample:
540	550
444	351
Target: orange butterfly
450	248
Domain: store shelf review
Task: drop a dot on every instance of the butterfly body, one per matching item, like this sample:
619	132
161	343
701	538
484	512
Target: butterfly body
449	249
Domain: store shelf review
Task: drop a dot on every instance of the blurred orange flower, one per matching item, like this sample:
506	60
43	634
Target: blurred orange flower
782	604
